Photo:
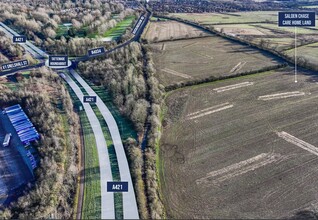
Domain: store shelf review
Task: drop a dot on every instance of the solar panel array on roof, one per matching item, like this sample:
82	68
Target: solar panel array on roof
22	124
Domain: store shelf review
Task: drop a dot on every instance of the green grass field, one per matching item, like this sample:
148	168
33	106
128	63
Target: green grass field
92	199
126	130
113	33
126	127
309	52
237	17
120	28
291	30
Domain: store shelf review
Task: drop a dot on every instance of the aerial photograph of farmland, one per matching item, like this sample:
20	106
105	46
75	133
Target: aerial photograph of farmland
159	109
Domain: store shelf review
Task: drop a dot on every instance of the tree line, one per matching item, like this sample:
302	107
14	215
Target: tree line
45	100
138	95
8	50
44	24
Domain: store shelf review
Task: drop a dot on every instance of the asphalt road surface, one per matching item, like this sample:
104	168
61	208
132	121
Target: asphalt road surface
38	53
33	50
107	198
130	208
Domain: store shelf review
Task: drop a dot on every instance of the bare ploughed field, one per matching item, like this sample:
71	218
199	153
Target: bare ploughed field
241	148
197	59
171	30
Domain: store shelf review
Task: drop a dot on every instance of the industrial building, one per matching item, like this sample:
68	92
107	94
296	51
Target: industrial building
22	124
18	157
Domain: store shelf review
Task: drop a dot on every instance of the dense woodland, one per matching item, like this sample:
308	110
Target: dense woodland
192	6
42	23
48	105
122	74
8	50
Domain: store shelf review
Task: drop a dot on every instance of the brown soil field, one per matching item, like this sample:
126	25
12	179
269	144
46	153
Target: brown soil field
171	30
241	148
242	29
195	59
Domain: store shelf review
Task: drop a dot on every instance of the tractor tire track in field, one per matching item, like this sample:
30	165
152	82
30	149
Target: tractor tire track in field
238	67
240	168
209	111
298	142
281	95
175	73
234	86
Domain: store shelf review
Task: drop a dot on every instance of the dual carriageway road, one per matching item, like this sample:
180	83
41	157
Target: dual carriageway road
130	209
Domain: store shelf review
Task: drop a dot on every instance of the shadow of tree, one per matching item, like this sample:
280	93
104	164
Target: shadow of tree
304	215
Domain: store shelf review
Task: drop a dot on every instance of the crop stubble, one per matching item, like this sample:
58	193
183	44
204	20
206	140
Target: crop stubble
233	163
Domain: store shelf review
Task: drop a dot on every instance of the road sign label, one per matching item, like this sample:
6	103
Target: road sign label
13	65
19	39
96	51
117	186
295	19
136	28
58	60
90	99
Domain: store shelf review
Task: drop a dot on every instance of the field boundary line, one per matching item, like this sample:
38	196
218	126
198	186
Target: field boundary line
234	86
281	95
298	142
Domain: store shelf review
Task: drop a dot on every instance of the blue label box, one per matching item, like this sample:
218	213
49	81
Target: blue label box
117	186
296	19
58	60
138	25
90	99
13	65
96	51
19	39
